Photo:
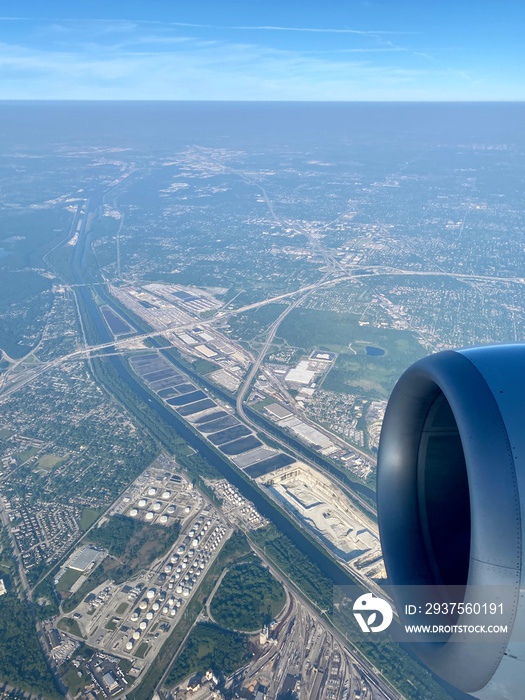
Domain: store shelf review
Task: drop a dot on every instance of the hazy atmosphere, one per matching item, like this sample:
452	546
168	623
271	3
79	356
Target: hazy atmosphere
262	322
209	50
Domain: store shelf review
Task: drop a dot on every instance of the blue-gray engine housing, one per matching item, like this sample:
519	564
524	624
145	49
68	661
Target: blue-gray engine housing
451	491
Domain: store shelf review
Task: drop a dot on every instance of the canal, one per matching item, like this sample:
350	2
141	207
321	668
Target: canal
248	489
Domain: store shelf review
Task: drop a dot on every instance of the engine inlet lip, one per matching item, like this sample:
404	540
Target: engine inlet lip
495	545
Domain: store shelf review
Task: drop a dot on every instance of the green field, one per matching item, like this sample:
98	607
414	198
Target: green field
204	366
354	372
74	681
314	583
142	650
248	598
67	580
69	625
88	517
48	461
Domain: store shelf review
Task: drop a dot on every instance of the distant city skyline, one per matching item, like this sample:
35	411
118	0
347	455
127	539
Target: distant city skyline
378	51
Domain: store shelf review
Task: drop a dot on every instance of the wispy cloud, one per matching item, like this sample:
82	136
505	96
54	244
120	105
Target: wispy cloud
278	28
219	27
213	72
123	59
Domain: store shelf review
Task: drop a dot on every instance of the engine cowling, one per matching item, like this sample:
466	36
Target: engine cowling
451	493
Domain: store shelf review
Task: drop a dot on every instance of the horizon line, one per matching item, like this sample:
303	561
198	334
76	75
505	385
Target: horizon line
263	101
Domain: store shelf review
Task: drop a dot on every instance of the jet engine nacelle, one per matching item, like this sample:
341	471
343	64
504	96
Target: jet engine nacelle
451	493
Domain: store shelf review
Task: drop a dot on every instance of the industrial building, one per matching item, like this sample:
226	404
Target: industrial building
83	559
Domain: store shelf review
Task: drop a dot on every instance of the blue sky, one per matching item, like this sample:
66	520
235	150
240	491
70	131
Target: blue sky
271	50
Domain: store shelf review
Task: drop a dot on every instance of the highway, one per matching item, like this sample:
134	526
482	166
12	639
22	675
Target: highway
335	273
327	281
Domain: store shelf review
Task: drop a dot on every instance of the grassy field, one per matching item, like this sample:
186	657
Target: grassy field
204	366
74	682
142	650
67	580
69	625
354	371
48	461
88	517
